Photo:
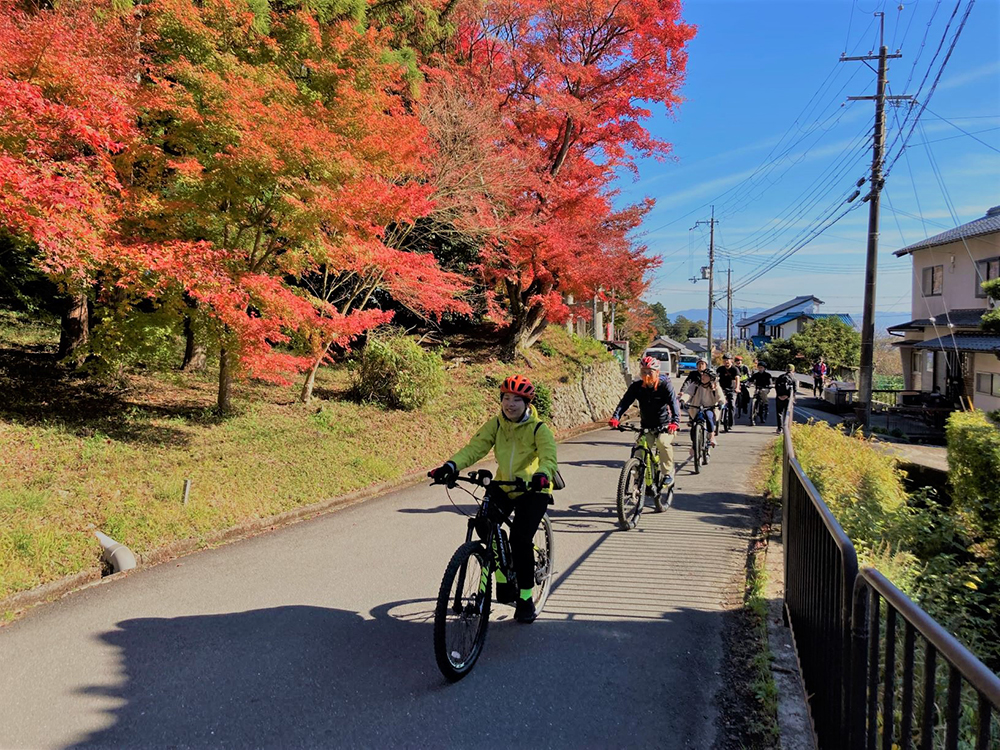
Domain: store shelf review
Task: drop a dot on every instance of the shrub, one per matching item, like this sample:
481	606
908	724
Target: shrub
944	557
543	401
974	461
395	372
861	485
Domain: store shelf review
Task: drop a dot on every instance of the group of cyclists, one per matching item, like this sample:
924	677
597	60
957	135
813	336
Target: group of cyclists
525	448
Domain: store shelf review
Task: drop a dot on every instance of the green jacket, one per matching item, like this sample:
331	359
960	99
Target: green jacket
521	448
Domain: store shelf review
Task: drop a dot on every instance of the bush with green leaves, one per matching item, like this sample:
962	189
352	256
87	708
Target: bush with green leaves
392	370
543	401
943	553
991	320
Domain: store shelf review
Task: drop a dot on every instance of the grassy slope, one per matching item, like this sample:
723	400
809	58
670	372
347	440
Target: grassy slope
75	459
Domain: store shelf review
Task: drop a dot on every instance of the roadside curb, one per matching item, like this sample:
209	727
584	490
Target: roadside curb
23	600
794	721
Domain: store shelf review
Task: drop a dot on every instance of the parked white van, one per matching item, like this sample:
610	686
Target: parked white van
665	357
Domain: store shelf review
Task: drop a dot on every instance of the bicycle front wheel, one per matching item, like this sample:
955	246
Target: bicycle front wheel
631	486
462	614
664	499
696	436
544	557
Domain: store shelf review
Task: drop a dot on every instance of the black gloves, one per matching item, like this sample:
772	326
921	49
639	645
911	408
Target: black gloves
539	482
444	474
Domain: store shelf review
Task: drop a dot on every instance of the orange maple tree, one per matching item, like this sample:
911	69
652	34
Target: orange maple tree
280	150
571	84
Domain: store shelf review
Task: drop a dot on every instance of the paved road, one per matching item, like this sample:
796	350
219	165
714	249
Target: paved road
320	633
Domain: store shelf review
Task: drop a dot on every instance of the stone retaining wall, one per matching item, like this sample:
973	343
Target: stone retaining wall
590	397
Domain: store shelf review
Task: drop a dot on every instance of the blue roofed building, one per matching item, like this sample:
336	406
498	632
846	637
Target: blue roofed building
781	321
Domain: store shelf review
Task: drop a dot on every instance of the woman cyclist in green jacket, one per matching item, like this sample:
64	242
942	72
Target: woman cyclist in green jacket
524	447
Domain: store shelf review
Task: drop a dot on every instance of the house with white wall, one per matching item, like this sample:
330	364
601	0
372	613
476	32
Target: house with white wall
943	345
781	321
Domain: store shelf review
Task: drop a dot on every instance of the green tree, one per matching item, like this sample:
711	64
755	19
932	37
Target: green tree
991	320
660	320
830	338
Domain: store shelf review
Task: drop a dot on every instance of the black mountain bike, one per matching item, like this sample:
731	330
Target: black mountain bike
728	411
700	438
743	402
758	412
640	472
462	613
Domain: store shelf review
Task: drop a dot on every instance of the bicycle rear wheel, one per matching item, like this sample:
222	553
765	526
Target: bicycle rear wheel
462	614
631	486
544	557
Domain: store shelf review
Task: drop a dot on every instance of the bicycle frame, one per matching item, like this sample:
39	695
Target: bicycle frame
644	444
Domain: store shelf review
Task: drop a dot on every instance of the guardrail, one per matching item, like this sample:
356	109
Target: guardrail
885	676
860	678
820	568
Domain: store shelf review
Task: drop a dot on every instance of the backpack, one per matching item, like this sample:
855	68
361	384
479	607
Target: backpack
558	483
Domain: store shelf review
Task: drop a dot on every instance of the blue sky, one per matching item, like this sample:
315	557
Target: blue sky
763	119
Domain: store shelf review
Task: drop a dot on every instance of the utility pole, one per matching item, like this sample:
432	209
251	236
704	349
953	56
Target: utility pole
711	274
729	309
871	265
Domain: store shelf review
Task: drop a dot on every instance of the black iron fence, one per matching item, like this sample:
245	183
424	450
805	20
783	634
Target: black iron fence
820	568
898	696
867	686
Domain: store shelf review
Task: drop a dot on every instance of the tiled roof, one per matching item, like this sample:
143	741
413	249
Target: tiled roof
669	343
985	225
776	309
963	342
812	316
965	318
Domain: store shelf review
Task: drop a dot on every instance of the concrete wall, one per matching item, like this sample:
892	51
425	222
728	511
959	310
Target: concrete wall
958	290
590	397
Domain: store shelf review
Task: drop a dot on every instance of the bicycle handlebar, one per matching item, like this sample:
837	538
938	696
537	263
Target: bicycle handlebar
484	478
632	428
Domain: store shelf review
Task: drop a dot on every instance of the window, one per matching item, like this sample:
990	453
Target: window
986	270
988	383
933	281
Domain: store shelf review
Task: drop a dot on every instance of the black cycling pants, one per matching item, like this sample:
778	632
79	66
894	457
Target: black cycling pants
529	507
780	407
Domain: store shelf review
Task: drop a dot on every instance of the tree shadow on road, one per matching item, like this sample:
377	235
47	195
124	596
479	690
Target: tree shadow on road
306	676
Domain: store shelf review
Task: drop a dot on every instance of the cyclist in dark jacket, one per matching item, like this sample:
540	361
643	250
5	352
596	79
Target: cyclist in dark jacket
761	379
784	388
658	410
729	380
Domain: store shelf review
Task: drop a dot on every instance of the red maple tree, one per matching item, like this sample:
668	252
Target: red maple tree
67	81
571	84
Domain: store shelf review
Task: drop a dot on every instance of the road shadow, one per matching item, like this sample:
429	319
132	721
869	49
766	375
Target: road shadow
580	518
307	676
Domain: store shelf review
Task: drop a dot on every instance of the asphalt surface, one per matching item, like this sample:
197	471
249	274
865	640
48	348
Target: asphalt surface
319	634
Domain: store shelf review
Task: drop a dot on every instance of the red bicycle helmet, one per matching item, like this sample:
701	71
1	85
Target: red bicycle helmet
519	386
649	363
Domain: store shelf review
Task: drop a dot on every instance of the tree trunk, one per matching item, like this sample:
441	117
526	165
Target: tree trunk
75	328
307	387
194	352
225	381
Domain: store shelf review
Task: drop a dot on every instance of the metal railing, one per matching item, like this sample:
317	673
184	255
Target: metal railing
861	680
820	568
890	679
